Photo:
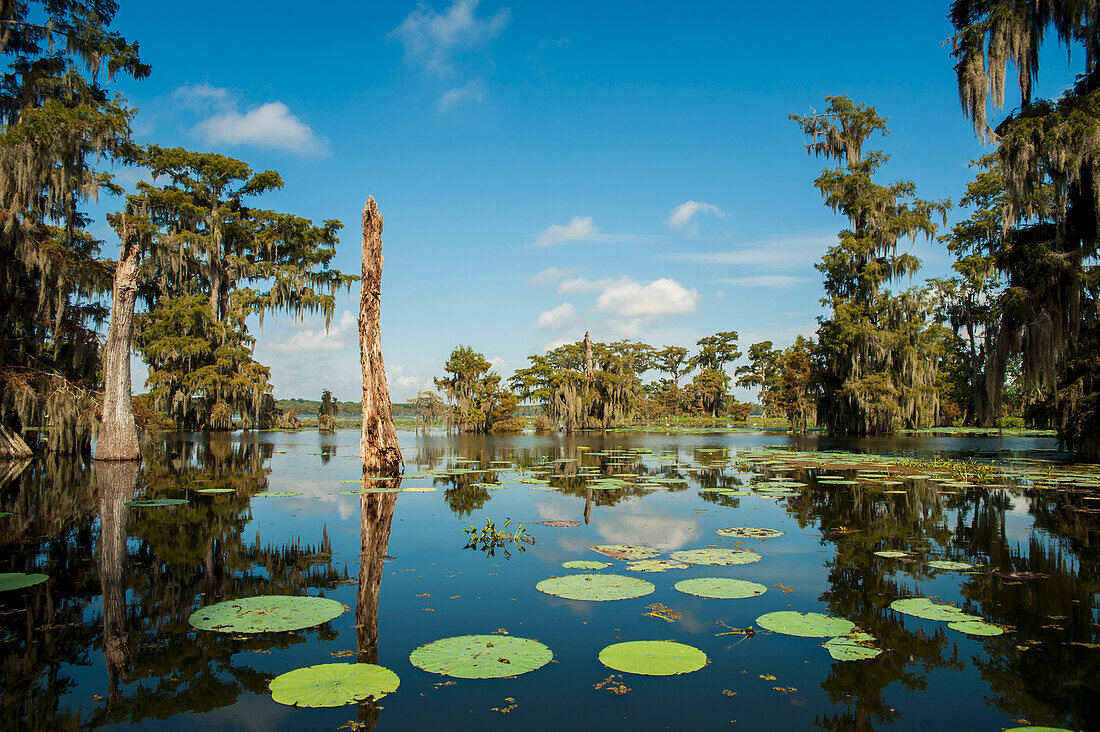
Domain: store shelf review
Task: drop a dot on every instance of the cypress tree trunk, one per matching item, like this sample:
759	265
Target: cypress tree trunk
118	431
378	442
12	446
116	483
588	356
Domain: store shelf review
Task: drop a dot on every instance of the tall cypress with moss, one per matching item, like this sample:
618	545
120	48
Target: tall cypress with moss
59	122
1049	154
879	351
213	262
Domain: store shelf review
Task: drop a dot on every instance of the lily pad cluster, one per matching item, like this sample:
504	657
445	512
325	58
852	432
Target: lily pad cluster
481	656
846	642
956	619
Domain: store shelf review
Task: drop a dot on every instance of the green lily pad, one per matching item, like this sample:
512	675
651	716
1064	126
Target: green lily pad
922	607
1038	729
806	625
266	614
158	502
595	587
215	490
629	552
715	557
949	565
277	494
333	684
976	627
855	646
891	554
720	588
655	565
18	580
749	532
653	658
585	564
481	656
5	514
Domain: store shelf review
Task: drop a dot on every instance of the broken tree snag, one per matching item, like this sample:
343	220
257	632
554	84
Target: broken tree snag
378	442
588	355
118	432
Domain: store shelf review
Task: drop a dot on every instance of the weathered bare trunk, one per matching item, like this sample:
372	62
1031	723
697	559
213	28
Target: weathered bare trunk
12	446
116	482
374	534
588	356
118	431
378	443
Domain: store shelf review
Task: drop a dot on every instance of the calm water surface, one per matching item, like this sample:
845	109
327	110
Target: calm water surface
106	641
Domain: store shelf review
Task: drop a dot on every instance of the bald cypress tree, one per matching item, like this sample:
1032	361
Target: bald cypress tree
1048	152
59	122
878	350
213	261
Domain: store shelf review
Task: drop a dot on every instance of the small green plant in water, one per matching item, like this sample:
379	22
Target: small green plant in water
489	538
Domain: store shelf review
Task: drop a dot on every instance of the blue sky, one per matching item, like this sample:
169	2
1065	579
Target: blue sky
550	168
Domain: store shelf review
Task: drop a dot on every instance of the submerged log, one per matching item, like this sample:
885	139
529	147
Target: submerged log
118	430
378	441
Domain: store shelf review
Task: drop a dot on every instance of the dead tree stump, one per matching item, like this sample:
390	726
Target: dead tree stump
378	442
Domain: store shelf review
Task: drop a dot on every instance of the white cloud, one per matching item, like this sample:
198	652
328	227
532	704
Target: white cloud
203	96
763	281
551	275
472	91
580	228
664	296
406	384
558	342
682	218
556	317
271	125
432	39
317	340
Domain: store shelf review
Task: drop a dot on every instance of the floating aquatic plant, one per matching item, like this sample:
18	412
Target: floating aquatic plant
715	556
806	625
19	580
333	684
481	656
266	613
154	502
653	657
595	587
855	646
585	564
749	532
629	552
720	588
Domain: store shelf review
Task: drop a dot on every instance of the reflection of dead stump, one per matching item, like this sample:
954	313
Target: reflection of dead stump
374	533
378	441
116	482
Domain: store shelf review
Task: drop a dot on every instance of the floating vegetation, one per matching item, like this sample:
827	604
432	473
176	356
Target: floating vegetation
266	614
892	554
715	556
653	658
19	580
657	610
215	490
585	564
950	565
614	684
629	552
333	684
559	524
489	538
481	656
595	587
720	588
922	607
277	494
655	565
806	625
855	646
154	502
749	532
976	627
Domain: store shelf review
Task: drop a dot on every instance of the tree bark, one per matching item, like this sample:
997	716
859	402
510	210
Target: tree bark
115	482
118	431
378	442
12	446
588	356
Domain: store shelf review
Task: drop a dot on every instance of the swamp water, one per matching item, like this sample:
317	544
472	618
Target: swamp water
108	639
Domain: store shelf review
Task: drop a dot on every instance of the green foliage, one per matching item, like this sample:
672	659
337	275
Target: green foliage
59	122
481	403
762	372
489	538
878	351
